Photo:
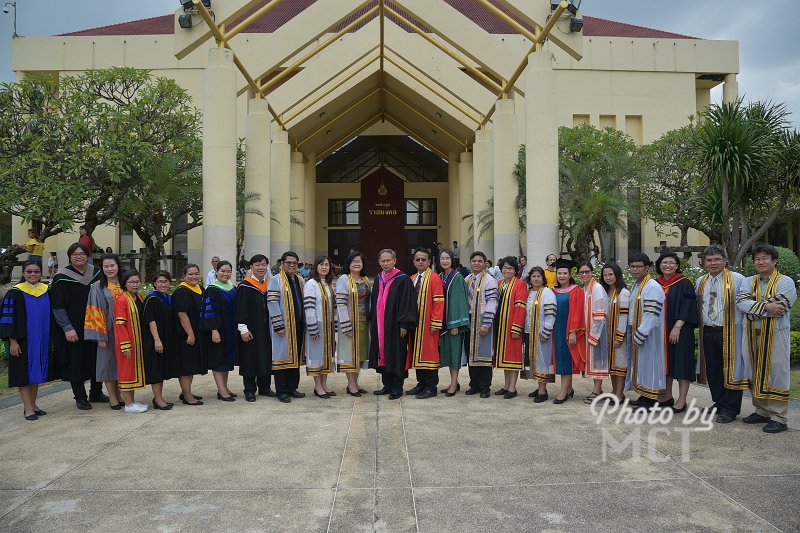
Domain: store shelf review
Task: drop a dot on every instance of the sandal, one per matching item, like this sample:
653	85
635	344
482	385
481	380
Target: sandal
588	400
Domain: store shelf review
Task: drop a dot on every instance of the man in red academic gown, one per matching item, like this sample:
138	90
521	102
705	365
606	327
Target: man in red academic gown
423	343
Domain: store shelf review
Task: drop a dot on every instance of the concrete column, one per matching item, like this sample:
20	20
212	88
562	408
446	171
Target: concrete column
454	210
505	186
311	207
541	140
280	176
297	204
219	157
730	89
481	189
258	150
465	205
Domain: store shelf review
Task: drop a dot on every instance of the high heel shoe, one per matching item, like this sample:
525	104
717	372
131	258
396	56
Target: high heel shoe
356	394
558	401
323	396
458	388
224	399
196	401
165	407
540	398
196	397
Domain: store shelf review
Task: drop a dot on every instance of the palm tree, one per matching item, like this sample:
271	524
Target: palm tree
734	145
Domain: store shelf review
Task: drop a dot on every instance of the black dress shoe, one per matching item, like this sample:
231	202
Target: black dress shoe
458	388
34	416
559	401
642	401
724	419
362	391
678	411
381	392
83	405
97	398
268	392
510	394
449	394
773	426
395	395
249	397
425	394
756	418
226	399
533	394
501	392
39	412
196	402
284	398
667	403
541	398
416	389
296	394
234	395
470	392
117	406
165	407
357	394
324	396
485	394
330	393
196	397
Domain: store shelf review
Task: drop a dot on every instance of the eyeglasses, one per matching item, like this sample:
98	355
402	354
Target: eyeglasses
585	272
420	259
32	272
78	254
669	263
290	263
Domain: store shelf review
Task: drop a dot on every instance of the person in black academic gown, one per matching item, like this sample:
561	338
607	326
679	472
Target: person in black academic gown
158	339
680	319
254	344
394	302
190	340
75	358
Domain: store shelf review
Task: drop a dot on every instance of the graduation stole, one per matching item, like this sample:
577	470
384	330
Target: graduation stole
475	309
290	322
505	304
260	285
33	290
327	316
728	332
352	291
637	309
761	346
614	311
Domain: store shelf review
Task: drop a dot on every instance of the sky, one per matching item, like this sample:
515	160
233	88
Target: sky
769	50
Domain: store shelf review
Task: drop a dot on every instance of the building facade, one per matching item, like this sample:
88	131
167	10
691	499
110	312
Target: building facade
386	124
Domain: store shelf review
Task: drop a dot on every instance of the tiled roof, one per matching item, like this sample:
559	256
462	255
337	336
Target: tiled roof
288	9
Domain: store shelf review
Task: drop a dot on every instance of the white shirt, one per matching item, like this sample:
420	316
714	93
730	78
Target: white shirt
211	277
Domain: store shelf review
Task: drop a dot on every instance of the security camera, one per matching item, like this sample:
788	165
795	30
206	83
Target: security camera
5	9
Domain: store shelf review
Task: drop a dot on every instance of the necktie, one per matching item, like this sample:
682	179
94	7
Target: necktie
713	304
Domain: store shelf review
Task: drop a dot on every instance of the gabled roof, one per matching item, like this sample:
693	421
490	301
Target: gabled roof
288	9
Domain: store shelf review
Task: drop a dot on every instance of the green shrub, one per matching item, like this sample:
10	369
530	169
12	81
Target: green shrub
796	317
3	353
795	347
788	264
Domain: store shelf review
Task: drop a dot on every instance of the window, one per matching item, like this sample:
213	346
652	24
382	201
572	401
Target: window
421	212
343	212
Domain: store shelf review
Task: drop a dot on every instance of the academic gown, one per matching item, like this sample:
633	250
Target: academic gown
570	318
352	349
456	316
616	329
69	290
159	366
128	335
510	321
400	311
285	304
193	359
540	316
595	302
482	299
680	303
423	345
217	313
320	315
25	316
250	308
99	327
767	339
647	369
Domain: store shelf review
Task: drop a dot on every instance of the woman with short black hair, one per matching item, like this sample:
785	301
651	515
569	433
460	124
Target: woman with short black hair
319	304
187	300
217	318
353	290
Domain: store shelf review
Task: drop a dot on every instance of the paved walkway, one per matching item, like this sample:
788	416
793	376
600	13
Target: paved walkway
370	464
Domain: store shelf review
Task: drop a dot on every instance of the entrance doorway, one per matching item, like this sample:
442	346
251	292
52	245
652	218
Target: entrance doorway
341	242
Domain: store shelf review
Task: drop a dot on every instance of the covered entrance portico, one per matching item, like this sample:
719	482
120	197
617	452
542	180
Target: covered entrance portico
416	68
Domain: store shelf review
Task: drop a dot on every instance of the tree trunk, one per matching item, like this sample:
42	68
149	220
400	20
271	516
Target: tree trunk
152	255
757	234
726	230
